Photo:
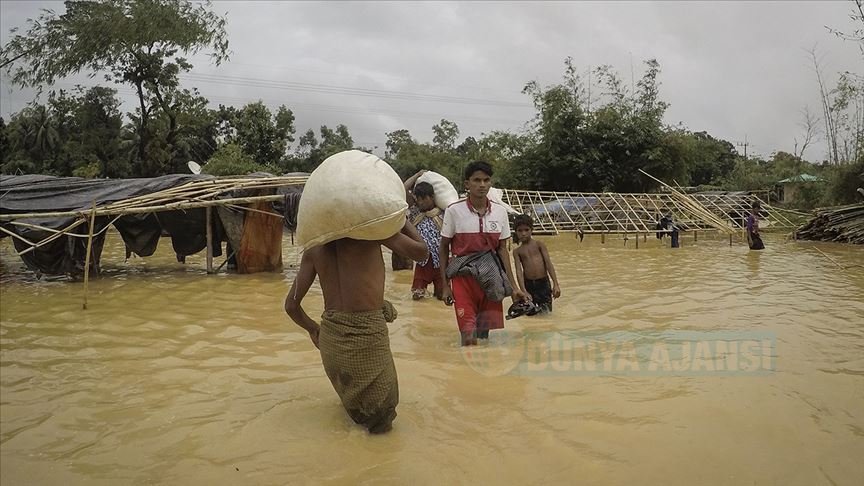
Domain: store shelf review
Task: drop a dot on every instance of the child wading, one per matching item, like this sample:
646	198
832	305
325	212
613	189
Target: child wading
533	265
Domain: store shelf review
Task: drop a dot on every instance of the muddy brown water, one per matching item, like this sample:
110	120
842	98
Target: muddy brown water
176	377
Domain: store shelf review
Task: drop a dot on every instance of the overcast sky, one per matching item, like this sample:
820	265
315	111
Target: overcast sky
734	69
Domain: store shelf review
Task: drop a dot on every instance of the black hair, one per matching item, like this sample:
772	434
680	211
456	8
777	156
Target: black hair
424	189
756	205
523	220
478	165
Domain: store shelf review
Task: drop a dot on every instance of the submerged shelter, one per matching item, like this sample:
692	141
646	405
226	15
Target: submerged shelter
58	224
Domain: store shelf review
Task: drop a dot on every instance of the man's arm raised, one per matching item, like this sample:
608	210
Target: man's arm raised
408	243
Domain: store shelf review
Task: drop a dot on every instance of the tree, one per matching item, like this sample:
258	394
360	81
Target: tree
333	142
710	161
810	124
601	149
262	135
396	140
446	133
142	43
230	159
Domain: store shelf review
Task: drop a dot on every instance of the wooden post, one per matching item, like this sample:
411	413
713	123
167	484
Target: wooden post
602	238
645	238
87	256
695	236
208	212
730	239
637	241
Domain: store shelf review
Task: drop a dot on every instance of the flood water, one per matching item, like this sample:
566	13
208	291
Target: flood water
176	377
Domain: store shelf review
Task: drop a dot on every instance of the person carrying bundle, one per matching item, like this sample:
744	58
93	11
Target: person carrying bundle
428	219
345	254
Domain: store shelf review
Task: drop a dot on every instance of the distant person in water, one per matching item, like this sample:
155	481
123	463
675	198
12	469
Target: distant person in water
753	238
533	266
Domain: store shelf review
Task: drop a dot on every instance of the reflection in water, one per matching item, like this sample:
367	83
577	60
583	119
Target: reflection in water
176	377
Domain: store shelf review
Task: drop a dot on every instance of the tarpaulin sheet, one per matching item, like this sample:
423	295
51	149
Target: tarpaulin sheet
140	232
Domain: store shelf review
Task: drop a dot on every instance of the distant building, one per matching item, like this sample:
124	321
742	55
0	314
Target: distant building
789	187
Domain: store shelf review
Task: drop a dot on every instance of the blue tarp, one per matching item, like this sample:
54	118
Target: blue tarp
568	205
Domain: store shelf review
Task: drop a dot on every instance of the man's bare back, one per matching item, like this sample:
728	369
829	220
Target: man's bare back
531	258
351	274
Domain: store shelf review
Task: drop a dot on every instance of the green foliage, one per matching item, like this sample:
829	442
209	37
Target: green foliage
843	183
446	134
71	130
396	140
137	42
254	128
90	171
809	196
231	160
5	145
310	152
600	147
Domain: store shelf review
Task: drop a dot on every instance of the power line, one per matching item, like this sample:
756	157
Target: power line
271	67
300	107
346	90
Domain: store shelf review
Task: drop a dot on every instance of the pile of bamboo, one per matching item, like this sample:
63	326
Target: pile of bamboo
842	224
694	208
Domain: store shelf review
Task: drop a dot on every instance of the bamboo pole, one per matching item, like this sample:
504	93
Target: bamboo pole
87	256
16	235
208	214
53	237
144	209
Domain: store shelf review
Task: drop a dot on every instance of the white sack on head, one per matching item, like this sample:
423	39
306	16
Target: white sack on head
352	194
445	193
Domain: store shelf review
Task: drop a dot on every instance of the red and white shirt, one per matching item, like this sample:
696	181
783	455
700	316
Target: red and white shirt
471	232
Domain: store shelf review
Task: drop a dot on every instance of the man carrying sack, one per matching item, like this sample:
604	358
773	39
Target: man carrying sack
353	336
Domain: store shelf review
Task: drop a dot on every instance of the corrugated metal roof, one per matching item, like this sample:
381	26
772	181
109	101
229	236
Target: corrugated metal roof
802	178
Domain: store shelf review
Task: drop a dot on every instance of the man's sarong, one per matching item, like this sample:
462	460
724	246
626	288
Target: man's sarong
355	350
755	241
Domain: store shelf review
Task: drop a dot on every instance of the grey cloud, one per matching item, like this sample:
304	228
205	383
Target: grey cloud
731	68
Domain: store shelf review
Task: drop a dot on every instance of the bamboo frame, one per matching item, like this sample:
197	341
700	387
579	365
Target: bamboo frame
619	213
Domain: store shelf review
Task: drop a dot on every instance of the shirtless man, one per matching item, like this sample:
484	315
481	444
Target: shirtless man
353	337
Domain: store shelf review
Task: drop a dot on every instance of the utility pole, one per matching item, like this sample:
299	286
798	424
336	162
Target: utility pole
745	144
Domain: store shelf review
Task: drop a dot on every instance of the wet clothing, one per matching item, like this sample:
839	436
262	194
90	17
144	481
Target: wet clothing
666	223
476	314
753	238
429	225
486	268
541	292
355	350
471	235
426	274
